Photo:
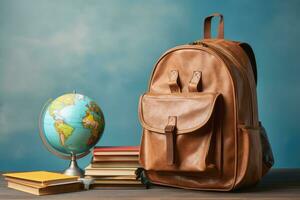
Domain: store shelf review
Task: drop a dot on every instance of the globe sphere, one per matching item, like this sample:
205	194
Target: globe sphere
72	123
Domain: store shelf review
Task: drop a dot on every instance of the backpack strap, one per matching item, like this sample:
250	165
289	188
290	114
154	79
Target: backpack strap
249	51
170	131
174	81
207	26
195	82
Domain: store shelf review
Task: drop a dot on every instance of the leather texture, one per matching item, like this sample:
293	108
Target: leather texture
201	128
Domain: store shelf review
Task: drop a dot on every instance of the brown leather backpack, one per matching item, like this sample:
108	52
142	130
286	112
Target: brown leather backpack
200	118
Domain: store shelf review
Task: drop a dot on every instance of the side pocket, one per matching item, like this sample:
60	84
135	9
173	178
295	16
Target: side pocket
250	154
267	154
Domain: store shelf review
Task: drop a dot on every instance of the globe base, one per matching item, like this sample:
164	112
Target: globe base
74	169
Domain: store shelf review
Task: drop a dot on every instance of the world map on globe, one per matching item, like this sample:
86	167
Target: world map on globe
73	123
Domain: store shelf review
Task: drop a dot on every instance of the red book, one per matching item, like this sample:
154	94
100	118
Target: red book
115	158
117	149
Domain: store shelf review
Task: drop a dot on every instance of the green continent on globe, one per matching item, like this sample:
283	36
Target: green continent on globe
61	102
64	130
92	121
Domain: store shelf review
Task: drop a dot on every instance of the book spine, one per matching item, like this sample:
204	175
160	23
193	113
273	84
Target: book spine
118	148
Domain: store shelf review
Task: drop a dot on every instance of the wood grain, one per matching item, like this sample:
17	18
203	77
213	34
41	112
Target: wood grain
278	184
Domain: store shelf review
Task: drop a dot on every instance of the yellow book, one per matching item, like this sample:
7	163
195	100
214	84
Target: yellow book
35	184
43	178
54	189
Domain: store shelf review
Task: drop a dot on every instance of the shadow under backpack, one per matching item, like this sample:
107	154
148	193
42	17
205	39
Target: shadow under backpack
200	118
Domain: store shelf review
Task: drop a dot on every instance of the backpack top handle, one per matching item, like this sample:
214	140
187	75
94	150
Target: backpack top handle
207	26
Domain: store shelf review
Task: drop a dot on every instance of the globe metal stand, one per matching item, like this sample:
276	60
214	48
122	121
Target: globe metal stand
73	168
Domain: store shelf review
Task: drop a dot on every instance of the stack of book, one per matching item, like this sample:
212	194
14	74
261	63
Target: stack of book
42	182
114	167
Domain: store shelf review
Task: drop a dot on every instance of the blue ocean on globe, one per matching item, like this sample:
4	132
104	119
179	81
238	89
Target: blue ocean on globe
72	123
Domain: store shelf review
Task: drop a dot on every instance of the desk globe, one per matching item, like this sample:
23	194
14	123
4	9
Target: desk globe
70	126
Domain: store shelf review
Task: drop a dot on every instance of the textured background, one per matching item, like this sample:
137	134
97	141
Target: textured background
106	50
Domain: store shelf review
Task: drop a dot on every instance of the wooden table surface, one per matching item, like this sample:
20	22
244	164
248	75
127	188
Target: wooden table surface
278	184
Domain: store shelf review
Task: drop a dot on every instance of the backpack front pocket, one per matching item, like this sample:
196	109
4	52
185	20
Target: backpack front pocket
181	132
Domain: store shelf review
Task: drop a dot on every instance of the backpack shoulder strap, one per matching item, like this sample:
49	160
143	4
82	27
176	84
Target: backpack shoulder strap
249	51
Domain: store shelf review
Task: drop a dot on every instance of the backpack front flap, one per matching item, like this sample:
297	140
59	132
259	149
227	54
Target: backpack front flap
179	129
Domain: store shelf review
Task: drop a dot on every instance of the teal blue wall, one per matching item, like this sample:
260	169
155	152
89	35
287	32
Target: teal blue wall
106	50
